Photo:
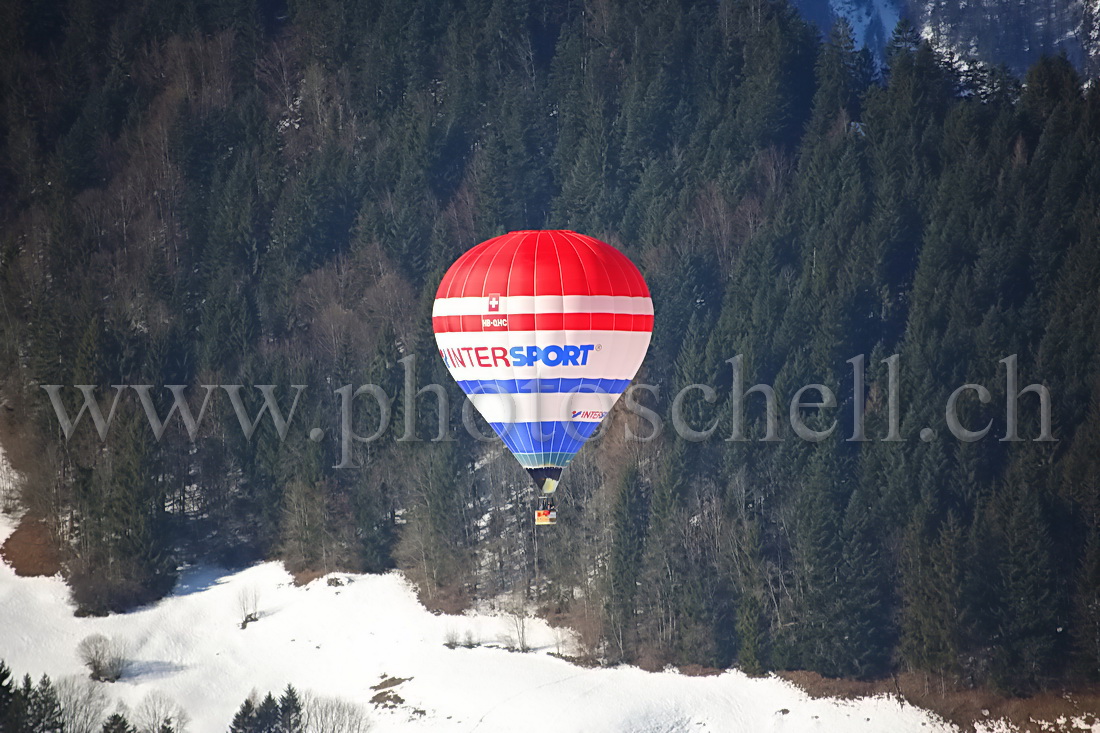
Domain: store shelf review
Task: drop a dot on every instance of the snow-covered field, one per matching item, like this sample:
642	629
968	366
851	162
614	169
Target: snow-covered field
342	640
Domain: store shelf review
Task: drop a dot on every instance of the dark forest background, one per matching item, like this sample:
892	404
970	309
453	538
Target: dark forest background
200	192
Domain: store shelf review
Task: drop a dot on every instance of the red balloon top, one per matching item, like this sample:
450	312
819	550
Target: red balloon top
547	262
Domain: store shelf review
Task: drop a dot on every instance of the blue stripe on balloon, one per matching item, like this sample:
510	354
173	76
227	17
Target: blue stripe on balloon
542	460
544	386
556	441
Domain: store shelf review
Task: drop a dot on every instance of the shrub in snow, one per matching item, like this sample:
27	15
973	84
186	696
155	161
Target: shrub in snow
451	639
105	658
248	603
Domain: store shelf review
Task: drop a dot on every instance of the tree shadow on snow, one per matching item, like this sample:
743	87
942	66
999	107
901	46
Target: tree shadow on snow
149	669
196	578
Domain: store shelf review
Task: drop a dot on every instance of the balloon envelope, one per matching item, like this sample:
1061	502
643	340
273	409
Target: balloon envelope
544	330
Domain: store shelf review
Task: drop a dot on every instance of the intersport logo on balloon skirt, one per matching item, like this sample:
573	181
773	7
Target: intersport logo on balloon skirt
518	356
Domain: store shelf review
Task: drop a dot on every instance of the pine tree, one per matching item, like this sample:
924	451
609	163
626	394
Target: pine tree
864	614
627	545
43	707
245	720
13	701
117	723
905	39
1026	613
935	613
19	716
1051	82
840	80
818	642
1086	608
290	712
267	715
7	689
750	635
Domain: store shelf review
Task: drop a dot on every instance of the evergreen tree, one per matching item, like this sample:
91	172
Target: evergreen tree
750	635
267	715
841	78
43	708
117	723
865	613
1086	627
1026	615
12	700
935	612
7	689
290	712
628	542
245	719
819	639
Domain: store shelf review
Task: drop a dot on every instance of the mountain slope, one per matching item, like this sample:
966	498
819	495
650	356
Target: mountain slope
353	636
996	32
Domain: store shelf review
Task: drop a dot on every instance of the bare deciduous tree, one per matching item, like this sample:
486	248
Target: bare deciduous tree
84	704
248	605
106	658
333	715
516	610
157	712
277	73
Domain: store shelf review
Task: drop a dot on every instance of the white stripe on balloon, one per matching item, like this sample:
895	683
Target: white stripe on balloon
641	306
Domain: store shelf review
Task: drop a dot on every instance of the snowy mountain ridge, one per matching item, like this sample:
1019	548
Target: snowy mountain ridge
994	32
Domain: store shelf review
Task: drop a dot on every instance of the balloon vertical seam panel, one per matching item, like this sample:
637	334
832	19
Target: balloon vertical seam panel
544	330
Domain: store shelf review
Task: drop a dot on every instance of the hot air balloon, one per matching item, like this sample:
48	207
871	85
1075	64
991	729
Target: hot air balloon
544	331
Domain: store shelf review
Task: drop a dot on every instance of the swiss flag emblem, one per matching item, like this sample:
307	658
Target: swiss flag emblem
494	302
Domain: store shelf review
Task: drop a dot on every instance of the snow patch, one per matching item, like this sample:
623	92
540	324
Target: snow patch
9	486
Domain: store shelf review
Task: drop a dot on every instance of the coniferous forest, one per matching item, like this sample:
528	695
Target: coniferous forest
250	192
